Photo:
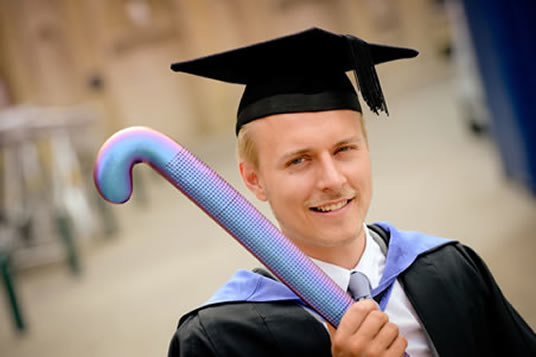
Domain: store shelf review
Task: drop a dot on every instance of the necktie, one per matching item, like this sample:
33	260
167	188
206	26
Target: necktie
359	286
359	289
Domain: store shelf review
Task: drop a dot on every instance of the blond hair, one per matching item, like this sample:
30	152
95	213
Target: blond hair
247	151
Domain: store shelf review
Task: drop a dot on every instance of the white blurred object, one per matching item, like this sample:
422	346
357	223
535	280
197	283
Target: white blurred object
67	185
470	91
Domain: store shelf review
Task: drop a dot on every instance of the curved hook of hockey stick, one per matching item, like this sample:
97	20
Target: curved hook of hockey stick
113	178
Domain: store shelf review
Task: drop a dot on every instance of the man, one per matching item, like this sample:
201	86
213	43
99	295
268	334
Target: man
303	148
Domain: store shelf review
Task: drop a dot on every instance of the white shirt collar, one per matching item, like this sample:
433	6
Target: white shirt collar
340	275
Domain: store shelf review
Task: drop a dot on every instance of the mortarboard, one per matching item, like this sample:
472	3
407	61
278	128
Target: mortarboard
301	72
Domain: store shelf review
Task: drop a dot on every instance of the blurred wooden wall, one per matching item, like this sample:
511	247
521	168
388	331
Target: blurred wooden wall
115	54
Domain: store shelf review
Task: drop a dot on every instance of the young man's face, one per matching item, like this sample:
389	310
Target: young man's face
314	170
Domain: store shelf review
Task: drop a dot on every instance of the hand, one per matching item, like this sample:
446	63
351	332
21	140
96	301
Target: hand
366	331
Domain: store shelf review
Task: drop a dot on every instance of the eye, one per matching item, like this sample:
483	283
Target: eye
296	161
344	148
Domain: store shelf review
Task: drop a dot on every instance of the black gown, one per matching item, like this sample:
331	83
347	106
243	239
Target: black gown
453	292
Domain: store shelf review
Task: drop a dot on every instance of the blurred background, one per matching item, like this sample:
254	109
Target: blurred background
456	157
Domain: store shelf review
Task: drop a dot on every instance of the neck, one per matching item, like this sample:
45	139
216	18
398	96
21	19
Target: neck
346	255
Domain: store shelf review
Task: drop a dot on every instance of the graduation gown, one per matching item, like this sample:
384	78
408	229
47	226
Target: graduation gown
454	294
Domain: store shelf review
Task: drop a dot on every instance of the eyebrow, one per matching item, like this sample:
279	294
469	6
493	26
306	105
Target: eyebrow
352	139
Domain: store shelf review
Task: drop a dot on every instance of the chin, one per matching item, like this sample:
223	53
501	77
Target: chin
339	240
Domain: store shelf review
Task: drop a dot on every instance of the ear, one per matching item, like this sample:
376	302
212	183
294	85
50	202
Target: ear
250	176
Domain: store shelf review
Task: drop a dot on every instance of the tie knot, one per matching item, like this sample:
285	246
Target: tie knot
359	286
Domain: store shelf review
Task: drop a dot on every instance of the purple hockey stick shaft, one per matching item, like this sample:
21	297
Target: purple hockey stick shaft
113	178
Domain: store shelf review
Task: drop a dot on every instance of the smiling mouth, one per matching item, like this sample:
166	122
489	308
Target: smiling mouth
330	207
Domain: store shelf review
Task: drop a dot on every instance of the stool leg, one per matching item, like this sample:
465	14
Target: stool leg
66	233
109	222
11	295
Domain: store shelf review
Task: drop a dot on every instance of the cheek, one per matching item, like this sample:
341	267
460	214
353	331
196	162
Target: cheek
365	176
366	183
360	177
287	191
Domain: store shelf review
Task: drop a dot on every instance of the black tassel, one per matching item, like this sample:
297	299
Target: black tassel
366	76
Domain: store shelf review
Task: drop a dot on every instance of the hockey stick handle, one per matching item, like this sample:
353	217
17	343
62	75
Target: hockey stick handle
224	204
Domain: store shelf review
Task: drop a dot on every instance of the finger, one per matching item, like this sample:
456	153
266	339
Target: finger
398	347
372	324
354	317
387	335
375	336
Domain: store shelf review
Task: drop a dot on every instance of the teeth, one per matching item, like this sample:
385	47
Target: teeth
332	207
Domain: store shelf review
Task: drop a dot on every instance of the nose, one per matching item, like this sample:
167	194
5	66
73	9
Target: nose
330	177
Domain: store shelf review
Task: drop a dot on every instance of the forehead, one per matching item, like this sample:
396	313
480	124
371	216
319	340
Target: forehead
278	134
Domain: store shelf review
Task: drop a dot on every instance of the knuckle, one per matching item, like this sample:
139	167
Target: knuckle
379	316
364	306
360	307
400	344
356	346
370	304
404	341
393	329
374	351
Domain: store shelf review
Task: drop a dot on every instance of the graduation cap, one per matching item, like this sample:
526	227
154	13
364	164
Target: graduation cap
301	72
